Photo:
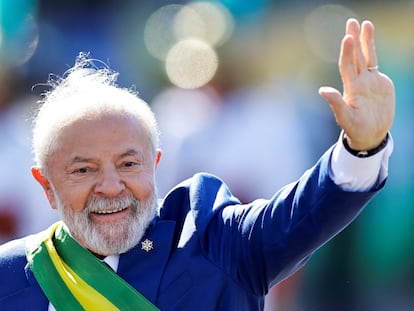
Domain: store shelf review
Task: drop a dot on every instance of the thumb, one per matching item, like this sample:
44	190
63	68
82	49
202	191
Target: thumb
335	100
331	95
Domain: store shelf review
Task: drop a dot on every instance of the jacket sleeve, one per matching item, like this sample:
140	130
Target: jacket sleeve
261	243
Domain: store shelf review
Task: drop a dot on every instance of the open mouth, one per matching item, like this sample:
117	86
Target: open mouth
108	212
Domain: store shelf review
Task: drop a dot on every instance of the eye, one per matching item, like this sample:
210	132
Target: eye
82	170
129	164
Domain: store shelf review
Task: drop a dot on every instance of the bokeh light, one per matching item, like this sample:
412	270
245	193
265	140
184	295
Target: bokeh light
191	63
188	23
26	42
184	36
324	30
173	107
214	21
159	36
19	31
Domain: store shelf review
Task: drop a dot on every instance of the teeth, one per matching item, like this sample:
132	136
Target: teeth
110	211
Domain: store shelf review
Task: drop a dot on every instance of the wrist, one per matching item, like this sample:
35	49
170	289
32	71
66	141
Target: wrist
365	153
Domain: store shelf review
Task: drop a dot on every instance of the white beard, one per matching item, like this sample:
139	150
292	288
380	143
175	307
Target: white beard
114	238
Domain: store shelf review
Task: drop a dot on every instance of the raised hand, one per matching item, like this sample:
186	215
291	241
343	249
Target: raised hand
365	110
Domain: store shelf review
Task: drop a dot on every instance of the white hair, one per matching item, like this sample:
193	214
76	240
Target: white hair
85	91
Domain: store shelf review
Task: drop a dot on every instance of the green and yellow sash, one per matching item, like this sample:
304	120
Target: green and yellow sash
74	279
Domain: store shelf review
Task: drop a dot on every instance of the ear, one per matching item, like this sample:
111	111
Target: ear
157	157
45	183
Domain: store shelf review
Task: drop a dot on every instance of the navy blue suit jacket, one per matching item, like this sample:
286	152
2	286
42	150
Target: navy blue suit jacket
211	252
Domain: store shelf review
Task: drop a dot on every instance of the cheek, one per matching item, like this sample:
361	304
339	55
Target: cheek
142	188
72	194
74	199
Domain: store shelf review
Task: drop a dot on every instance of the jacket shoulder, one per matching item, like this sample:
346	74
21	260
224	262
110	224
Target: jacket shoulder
13	267
12	253
202	193
12	256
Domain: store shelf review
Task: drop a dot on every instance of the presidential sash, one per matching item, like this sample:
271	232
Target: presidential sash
74	279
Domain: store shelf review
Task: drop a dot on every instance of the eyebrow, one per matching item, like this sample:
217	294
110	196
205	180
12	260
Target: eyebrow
129	152
78	159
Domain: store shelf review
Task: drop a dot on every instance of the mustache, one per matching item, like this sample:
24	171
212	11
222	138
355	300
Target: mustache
96	204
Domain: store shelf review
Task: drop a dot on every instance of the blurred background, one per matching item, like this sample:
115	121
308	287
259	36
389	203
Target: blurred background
234	85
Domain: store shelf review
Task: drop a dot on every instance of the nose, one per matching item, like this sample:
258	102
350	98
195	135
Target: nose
110	183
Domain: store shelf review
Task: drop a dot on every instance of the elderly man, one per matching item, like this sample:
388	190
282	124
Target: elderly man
96	149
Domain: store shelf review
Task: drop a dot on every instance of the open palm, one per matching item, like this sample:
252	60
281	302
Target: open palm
365	110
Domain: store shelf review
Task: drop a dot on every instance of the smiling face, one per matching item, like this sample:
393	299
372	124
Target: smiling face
101	180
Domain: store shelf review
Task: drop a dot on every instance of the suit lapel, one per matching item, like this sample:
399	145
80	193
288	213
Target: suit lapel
143	266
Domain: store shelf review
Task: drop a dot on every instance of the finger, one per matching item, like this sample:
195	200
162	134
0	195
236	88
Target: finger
353	29
368	44
347	67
